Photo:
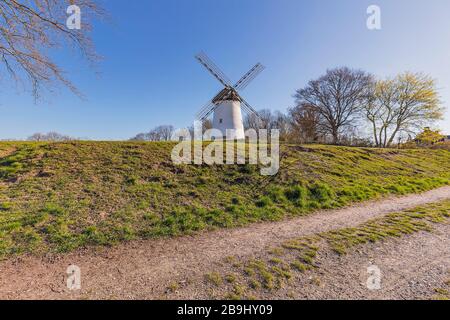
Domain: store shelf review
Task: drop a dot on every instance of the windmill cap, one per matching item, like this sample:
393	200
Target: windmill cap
227	94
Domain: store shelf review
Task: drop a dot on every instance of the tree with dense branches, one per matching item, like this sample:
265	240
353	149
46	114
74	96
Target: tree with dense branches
336	98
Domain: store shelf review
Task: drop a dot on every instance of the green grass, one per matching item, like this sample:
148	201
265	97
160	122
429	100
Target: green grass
214	278
275	268
392	225
56	197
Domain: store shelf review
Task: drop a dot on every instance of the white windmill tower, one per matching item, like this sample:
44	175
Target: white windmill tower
227	104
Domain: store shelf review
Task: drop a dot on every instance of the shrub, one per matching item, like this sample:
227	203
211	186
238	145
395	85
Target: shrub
297	195
321	192
263	202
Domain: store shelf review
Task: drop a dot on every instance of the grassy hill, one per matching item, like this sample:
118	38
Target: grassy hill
60	196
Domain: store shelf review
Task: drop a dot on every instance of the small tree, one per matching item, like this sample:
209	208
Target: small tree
429	137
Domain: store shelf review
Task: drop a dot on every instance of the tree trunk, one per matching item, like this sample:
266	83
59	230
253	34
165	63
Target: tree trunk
391	139
380	138
375	134
335	137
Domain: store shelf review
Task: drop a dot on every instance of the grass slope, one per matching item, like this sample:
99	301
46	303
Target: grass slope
60	196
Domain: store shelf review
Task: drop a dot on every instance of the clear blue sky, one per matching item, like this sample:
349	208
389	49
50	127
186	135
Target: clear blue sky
149	75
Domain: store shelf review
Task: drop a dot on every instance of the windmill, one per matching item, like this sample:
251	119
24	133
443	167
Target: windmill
228	105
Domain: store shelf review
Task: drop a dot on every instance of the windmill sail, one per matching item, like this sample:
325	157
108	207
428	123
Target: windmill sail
227	105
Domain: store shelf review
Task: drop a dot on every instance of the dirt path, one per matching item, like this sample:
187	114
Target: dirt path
410	267
144	269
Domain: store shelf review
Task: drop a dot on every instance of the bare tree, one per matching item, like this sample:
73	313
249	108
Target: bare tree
30	28
153	135
160	133
36	137
404	104
281	122
305	123
163	133
336	97
207	124
139	137
264	120
51	136
251	121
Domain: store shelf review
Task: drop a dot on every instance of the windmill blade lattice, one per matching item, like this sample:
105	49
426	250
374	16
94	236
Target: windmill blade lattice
213	69
248	77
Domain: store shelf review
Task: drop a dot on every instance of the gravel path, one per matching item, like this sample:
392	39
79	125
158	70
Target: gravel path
144	269
411	267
